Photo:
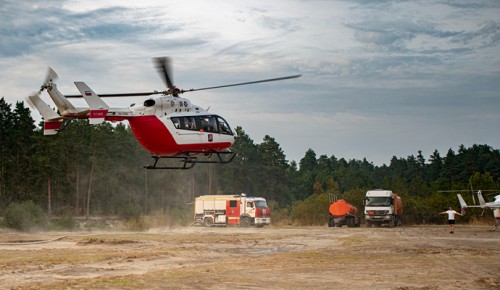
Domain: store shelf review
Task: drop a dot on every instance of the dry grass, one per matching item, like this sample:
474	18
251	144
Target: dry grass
235	258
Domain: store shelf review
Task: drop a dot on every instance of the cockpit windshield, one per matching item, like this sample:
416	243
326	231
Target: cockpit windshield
378	201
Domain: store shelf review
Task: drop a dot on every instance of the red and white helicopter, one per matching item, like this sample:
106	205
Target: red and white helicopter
167	126
495	206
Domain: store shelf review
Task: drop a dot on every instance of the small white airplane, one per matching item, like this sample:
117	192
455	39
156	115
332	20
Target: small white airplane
495	206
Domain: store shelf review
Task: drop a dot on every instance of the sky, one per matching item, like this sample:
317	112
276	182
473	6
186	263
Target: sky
379	78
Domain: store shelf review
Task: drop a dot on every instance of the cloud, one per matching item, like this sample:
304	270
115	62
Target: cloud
488	34
405	75
45	26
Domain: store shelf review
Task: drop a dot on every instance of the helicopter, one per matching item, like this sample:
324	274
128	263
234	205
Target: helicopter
494	205
168	126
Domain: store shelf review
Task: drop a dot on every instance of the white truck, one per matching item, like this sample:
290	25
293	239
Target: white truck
383	207
226	210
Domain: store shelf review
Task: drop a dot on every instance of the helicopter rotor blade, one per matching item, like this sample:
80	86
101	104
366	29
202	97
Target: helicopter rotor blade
121	95
50	77
164	67
245	83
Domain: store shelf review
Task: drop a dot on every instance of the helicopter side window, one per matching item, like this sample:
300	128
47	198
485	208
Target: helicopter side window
224	127
212	123
208	124
189	123
149	103
176	122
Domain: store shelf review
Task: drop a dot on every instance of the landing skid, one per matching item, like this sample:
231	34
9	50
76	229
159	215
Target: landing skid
189	161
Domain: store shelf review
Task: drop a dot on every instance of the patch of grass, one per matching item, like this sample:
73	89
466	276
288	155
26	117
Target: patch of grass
353	241
66	222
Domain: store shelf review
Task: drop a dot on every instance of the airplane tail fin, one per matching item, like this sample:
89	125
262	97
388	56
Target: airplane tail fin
52	121
98	108
481	198
463	205
62	104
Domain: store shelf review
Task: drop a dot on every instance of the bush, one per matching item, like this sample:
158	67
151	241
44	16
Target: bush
25	216
311	211
66	222
135	224
280	216
130	211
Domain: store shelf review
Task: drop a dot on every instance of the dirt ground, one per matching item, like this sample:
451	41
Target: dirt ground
415	257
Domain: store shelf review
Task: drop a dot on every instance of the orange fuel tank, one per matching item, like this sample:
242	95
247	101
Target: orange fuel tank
342	208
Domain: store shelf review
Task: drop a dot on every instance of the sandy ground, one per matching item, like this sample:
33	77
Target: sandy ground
416	257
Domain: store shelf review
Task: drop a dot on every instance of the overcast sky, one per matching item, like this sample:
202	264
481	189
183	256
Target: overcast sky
379	78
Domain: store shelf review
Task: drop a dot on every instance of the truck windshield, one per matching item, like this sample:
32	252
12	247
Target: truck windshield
260	203
378	201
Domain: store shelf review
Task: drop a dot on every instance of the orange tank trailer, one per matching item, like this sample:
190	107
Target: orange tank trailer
343	213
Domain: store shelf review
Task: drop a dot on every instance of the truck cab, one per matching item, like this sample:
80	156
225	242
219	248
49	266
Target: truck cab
383	207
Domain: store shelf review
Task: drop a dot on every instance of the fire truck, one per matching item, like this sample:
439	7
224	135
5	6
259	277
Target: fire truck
226	210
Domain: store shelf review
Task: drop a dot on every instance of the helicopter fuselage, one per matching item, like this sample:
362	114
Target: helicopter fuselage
169	126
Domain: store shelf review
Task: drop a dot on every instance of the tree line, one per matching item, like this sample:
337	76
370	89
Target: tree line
98	170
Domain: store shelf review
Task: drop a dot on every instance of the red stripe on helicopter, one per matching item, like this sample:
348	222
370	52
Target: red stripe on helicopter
157	139
98	113
51	125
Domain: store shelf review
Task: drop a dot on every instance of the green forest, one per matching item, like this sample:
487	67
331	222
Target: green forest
98	171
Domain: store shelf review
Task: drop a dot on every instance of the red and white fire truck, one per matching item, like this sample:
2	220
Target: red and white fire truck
231	210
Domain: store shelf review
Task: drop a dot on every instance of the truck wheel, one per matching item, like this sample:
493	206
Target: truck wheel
245	222
207	222
392	224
